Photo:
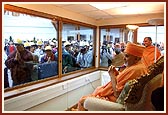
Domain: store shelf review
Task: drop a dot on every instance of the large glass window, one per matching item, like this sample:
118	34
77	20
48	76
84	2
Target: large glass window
77	48
109	41
142	33
30	43
41	40
157	35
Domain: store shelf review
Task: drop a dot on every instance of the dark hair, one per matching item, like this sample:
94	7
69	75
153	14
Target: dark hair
83	50
149	38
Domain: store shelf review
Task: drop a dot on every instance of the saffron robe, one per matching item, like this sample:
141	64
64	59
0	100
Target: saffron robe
149	55
106	91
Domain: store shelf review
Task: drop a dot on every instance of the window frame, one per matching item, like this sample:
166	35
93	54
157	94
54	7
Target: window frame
108	27
36	85
39	84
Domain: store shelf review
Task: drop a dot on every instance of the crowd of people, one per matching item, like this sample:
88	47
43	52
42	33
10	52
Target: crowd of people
132	59
75	56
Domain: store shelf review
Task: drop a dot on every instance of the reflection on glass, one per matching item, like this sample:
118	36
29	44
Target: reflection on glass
29	46
111	45
77	49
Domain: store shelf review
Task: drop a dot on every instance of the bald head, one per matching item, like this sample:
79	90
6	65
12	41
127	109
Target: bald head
147	41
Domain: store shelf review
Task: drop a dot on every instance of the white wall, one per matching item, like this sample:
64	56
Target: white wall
57	97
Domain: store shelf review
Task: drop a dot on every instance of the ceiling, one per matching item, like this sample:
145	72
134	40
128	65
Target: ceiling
117	9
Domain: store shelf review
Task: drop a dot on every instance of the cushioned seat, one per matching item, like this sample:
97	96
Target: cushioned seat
136	95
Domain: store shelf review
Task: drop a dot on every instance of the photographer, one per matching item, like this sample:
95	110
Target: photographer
105	57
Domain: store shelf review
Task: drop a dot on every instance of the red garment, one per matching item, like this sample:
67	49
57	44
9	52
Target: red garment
52	58
11	49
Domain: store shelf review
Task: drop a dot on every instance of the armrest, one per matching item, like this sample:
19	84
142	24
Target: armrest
96	104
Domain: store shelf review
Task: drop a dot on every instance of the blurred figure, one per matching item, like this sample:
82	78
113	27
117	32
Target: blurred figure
54	48
10	48
122	46
27	45
39	51
48	56
6	83
118	59
20	73
105	56
149	52
32	49
81	58
68	48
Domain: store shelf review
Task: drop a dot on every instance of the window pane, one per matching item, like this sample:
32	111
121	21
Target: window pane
85	57
77	47
109	45
26	38
157	34
150	31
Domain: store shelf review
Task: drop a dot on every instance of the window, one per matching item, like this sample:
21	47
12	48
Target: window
36	34
42	30
108	39
142	33
77	48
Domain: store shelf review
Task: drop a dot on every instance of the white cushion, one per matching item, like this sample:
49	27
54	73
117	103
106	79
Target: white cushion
95	104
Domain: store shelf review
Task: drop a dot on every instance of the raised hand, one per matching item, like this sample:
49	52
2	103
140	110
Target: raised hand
112	71
17	56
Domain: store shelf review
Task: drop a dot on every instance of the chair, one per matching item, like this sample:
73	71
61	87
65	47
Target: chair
136	94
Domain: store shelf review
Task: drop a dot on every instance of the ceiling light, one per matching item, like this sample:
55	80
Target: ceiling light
132	27
156	21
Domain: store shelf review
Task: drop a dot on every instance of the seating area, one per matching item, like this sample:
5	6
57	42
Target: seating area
136	95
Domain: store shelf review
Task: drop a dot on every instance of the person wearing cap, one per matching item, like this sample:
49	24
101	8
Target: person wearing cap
68	48
54	48
27	45
48	56
135	68
32	47
20	73
39	51
149	52
32	50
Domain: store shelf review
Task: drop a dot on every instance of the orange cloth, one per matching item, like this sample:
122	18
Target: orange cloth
149	55
134	49
106	91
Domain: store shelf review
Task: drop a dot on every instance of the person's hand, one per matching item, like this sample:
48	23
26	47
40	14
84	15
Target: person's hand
104	98
112	71
49	59
17	56
65	69
116	94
